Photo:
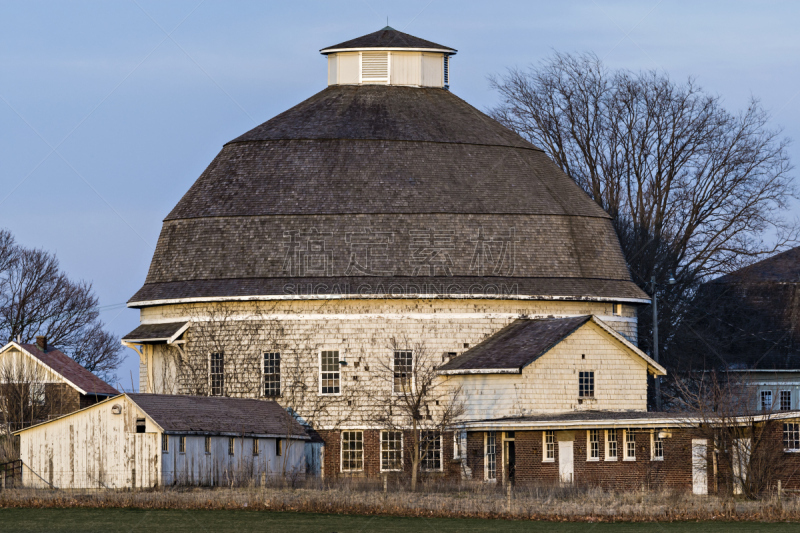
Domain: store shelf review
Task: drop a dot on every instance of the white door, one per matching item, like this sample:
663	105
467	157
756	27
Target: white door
699	466
565	466
740	457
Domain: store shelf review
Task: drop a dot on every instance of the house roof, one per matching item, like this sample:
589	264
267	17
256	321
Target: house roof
524	341
418	174
156	332
60	363
780	268
218	415
387	37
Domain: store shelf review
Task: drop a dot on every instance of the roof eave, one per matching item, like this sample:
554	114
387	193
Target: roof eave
467	371
448	51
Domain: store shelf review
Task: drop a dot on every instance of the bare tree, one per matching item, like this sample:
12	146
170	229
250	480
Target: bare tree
37	298
692	188
411	395
23	394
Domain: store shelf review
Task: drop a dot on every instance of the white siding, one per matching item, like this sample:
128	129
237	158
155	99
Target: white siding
433	70
349	68
406	68
333	61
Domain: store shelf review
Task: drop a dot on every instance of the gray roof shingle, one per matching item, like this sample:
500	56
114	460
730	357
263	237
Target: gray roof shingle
154	332
218	415
387	37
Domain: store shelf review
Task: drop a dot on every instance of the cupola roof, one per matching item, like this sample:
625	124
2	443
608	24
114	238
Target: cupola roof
388	38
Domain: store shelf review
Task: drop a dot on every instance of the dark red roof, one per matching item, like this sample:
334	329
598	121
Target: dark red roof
70	370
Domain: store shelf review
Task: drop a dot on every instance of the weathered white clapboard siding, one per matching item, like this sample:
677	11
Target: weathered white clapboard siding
92	448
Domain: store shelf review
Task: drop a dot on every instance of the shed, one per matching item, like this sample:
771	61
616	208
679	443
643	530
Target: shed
146	440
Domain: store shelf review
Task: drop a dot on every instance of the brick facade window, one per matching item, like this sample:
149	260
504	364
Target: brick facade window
391	451
611	445
430	443
593	445
657	446
352	450
490	452
329	372
766	400
791	437
272	374
630	444
216	374
786	400
586	384
403	367
549	446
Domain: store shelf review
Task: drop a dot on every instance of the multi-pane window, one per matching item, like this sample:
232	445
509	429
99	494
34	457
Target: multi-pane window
181	444
272	374
217	374
491	456
585	384
352	451
278	447
791	436
256	449
403	370
164	443
231	445
611	445
391	450
630	445
786	400
549	446
430	443
766	400
594	445
208	444
658	446
329	372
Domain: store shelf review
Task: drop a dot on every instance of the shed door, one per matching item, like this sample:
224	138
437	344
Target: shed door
699	466
565	463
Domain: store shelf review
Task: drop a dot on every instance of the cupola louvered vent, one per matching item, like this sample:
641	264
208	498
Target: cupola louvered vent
374	67
447	72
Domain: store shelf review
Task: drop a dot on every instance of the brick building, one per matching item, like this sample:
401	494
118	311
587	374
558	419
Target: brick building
384	228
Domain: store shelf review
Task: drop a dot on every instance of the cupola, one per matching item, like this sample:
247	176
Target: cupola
389	57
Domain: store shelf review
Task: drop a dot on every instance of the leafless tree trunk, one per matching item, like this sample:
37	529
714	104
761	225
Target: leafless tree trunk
23	400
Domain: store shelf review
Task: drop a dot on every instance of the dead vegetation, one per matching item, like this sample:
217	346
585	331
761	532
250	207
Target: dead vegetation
431	500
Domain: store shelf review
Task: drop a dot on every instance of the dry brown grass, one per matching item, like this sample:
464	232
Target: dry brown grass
475	501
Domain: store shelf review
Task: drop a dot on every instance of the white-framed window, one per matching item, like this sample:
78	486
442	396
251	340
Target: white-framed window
617	309
329	372
403	371
459	444
791	437
182	444
786	400
208	445
656	446
231	445
272	374
430	448
352	451
611	445
766	400
586	384
593	445
549	446
164	443
630	444
490	456
256	447
391	451
217	373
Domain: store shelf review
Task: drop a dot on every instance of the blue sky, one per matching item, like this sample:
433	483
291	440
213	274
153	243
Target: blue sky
109	110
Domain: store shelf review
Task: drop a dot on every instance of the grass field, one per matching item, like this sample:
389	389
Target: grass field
173	521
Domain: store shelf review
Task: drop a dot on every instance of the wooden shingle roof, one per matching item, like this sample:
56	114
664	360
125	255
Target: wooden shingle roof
388	37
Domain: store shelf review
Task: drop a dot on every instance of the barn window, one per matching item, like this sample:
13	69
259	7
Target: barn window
208	444
786	400
586	385
231	445
549	446
391	450
491	456
181	444
374	67
630	445
216	374
141	425
329	372
611	445
791	437
430	450
594	444
272	374
278	447
617	309
766	400
657	446
164	443
255	446
352	451
403	366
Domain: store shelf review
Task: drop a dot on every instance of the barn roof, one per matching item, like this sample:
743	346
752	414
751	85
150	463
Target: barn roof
387	37
68	368
780	268
156	332
218	415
